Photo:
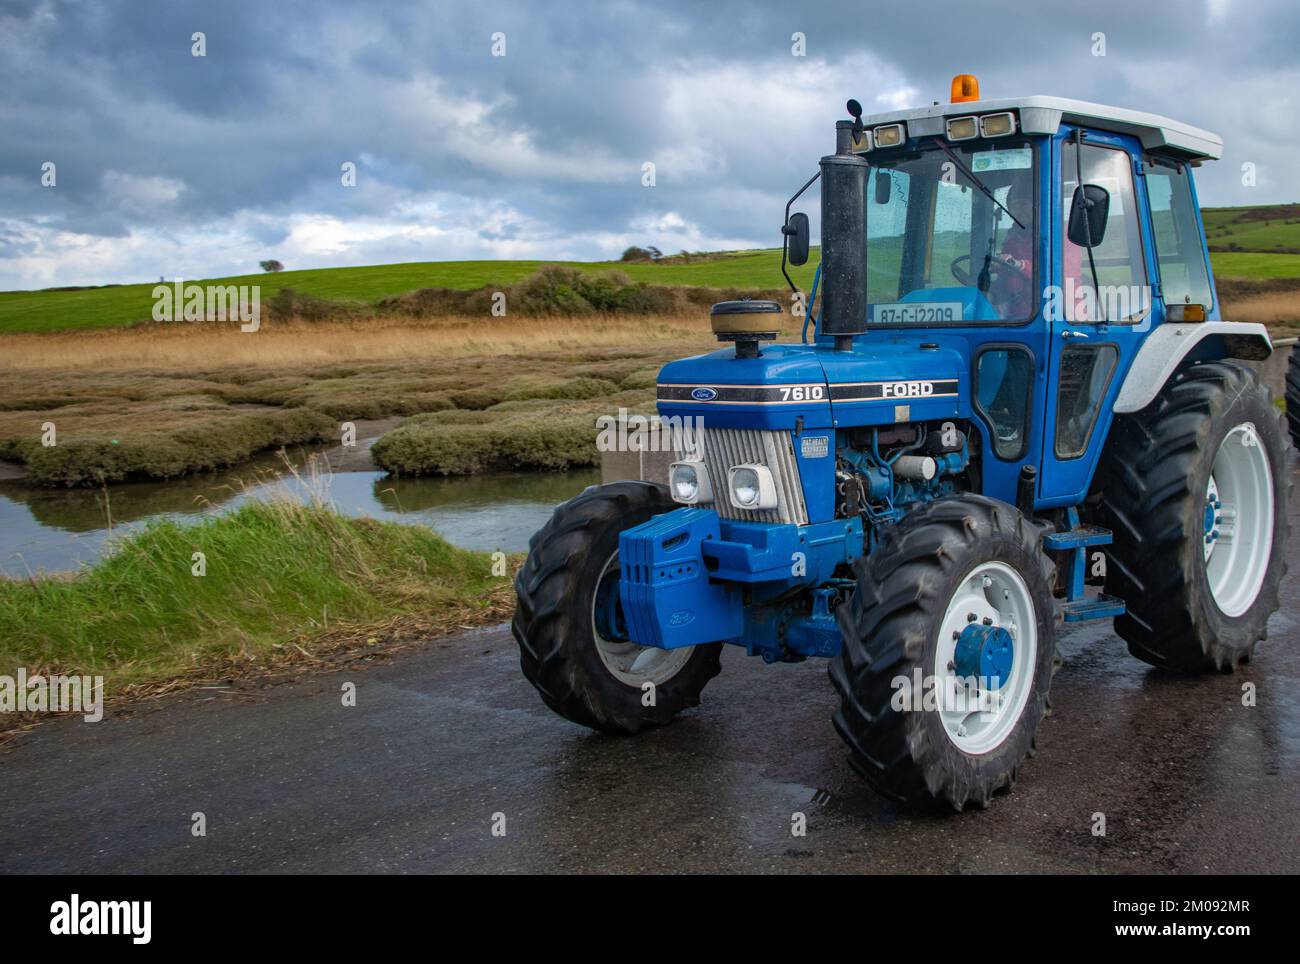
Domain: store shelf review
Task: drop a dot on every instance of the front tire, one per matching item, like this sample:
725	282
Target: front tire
572	645
1194	488
959	567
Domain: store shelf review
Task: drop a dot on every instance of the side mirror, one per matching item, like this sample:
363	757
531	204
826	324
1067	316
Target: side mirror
796	238
855	111
884	187
1089	211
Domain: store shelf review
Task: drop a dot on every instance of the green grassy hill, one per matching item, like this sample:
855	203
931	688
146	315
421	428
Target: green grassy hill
1265	228
108	307
1246	243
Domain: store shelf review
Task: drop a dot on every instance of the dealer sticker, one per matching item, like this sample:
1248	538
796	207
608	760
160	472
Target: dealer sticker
815	446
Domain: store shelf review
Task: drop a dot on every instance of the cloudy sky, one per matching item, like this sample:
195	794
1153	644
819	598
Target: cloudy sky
168	164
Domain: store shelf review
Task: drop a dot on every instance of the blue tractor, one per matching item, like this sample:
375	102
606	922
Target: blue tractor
1014	405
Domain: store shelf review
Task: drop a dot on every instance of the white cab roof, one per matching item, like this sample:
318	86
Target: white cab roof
1044	115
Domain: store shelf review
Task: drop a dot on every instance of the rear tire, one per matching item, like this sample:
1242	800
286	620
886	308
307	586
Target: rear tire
583	675
914	597
1210	446
1293	393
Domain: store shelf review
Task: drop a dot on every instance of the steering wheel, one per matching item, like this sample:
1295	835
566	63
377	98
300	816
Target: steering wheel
963	275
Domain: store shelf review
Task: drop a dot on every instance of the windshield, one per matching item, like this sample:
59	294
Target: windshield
939	249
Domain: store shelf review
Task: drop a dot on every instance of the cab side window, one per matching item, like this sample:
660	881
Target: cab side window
886	223
1003	378
1121	268
1184	279
1085	376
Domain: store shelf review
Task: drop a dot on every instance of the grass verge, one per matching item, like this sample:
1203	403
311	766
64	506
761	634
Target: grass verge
284	583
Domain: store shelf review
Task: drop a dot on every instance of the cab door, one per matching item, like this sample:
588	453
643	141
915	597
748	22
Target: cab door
1093	332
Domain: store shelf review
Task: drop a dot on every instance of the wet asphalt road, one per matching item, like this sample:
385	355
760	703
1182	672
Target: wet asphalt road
445	737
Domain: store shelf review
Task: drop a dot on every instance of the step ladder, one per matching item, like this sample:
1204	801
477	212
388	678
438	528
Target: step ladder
1079	605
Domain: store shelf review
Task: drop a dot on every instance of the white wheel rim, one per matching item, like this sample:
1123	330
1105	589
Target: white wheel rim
980	722
632	664
1237	523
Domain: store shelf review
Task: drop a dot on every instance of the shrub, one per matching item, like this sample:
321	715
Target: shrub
477	398
193	441
443	445
551	290
641	378
635	253
569	388
287	303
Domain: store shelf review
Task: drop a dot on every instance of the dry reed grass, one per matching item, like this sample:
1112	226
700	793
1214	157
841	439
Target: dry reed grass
294	343
1279	310
183	347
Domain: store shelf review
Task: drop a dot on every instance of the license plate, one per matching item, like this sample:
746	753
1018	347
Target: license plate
916	313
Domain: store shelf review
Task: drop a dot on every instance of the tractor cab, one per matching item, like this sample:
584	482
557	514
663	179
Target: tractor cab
955	247
1011	406
974	218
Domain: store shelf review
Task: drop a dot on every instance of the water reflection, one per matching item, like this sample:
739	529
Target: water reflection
59	529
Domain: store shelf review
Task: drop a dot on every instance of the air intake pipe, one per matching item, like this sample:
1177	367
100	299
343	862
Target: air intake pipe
844	248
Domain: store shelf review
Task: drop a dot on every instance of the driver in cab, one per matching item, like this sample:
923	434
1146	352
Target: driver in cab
1011	269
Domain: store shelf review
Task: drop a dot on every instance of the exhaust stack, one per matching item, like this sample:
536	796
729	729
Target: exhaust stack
844	248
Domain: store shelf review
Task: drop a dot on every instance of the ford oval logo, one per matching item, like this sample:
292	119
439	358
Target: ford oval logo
704	394
681	617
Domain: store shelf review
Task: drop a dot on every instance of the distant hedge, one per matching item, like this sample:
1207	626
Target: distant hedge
551	290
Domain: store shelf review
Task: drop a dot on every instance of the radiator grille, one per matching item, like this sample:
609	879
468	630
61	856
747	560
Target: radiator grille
721	448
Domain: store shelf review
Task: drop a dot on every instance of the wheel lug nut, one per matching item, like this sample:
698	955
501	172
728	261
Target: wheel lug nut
988	621
971	617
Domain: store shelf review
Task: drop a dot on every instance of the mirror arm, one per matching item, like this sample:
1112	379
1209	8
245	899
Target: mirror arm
1087	222
785	237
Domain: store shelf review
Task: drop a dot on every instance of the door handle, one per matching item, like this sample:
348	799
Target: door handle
1068	334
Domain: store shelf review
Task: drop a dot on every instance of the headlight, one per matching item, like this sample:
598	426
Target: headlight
962	128
751	487
998	125
689	482
890	135
861	143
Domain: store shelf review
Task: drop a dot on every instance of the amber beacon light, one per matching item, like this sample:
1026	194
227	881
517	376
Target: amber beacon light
965	87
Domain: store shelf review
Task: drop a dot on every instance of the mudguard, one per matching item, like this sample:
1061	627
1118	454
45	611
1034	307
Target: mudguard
1172	344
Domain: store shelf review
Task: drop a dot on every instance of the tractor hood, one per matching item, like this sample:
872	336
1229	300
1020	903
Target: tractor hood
879	382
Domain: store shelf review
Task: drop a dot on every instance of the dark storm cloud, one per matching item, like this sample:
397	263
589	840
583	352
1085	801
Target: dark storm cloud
169	163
